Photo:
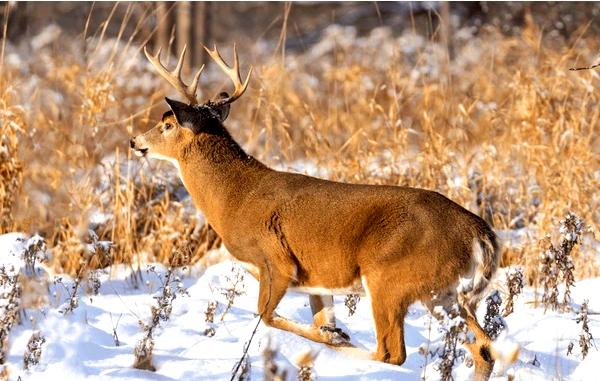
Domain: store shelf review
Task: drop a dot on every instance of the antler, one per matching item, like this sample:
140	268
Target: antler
232	72
174	77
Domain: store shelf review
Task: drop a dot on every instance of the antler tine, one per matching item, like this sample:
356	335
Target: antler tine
236	62
177	71
193	87
232	72
174	77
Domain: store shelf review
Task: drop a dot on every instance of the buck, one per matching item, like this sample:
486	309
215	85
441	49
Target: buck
400	244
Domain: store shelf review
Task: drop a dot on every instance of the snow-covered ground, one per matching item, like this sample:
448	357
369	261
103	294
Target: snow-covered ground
82	344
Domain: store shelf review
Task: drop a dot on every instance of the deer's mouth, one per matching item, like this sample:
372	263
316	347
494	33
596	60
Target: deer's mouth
141	152
136	150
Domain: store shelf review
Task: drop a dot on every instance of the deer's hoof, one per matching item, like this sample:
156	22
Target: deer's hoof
336	336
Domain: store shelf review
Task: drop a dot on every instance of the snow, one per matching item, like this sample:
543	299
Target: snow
81	344
9	246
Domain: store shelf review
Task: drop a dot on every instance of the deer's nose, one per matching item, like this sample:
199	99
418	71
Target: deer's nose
132	142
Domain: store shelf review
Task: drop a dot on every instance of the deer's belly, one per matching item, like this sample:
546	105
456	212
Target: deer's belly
355	288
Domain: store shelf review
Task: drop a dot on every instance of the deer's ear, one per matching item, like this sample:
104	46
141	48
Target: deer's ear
223	111
183	113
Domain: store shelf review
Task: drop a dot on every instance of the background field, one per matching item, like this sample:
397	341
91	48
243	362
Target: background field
474	101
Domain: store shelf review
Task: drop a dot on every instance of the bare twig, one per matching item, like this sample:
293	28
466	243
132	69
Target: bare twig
247	346
424	350
114	328
585	67
245	354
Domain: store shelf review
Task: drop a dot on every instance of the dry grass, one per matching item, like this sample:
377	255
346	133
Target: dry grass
504	129
11	124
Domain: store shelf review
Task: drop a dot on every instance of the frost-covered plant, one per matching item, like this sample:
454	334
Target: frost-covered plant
235	288
97	253
586	340
493	321
11	300
31	251
454	330
99	248
12	283
350	302
93	281
209	318
171	286
32	354
209	314
34	250
271	369
557	264
306	363
514	283
143	350
72	293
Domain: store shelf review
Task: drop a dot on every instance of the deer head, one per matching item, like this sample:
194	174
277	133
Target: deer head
179	126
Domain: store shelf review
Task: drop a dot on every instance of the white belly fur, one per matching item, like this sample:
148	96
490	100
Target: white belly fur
355	289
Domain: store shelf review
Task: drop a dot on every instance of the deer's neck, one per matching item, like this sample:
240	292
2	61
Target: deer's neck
218	173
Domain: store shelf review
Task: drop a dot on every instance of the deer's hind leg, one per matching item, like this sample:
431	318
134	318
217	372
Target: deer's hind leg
322	310
323	315
272	287
481	347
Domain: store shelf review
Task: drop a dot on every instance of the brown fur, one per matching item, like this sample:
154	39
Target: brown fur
405	244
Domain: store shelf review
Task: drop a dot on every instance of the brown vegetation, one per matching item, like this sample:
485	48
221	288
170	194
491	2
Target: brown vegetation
503	129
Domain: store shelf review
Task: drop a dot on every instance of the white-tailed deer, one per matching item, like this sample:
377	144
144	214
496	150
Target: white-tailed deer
401	244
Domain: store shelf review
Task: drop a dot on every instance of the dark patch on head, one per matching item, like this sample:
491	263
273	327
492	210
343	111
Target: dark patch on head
207	112
198	118
167	114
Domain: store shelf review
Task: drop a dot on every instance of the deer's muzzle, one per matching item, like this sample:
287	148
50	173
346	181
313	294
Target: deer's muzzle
136	150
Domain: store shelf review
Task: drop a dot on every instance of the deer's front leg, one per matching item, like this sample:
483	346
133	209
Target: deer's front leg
272	288
320	305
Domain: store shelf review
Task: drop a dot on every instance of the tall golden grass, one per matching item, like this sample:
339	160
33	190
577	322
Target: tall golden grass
11	176
504	128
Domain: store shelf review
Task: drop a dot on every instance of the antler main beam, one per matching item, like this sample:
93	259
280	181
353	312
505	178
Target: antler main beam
174	77
232	72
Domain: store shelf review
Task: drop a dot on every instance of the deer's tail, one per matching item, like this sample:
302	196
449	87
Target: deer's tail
485	260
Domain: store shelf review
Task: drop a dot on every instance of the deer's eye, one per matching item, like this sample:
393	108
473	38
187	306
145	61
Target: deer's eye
167	126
